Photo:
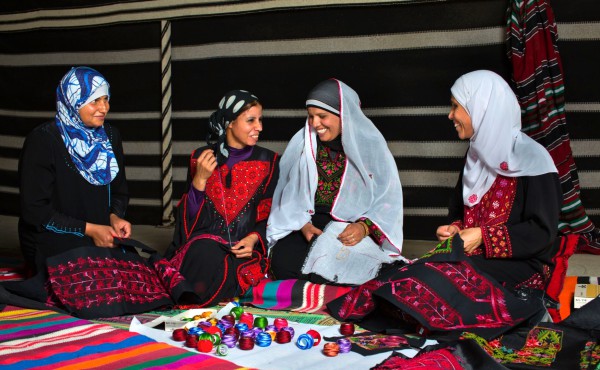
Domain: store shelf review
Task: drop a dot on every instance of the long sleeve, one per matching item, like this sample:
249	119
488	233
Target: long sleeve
37	176
533	224
119	199
264	205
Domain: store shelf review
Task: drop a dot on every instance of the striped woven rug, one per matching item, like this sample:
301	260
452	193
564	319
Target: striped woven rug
48	340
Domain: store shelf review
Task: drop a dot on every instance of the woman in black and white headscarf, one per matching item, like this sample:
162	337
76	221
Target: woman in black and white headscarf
337	173
219	244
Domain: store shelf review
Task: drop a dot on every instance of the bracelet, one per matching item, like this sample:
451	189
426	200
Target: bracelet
364	225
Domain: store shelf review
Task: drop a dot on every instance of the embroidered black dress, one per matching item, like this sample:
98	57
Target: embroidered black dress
237	203
486	293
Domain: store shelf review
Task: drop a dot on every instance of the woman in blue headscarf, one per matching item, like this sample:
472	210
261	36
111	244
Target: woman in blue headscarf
72	178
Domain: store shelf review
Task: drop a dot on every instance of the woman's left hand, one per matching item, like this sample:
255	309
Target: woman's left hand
472	238
352	234
244	248
122	227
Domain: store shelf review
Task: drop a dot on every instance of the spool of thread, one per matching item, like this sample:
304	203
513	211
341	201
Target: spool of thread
331	349
179	335
233	331
272	333
280	323
222	350
247	317
191	341
316	336
283	336
271	327
263	339
204	324
246	343
305	341
229	340
224	324
261	322
240	326
247	333
195	331
229	318
213	330
347	328
204	346
289	329
236	312
344	345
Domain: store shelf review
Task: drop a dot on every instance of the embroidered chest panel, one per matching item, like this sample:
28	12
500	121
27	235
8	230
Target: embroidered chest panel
246	180
495	206
330	175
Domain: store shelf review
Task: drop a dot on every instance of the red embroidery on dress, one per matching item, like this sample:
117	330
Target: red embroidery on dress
263	209
497	242
504	166
359	301
536	281
246	179
473	198
436	359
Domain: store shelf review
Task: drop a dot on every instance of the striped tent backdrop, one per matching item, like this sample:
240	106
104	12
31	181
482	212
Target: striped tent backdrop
170	61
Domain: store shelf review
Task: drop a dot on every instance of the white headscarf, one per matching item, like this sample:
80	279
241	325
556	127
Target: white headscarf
497	147
370	186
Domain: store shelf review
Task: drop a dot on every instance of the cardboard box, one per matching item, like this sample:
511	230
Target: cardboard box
585	293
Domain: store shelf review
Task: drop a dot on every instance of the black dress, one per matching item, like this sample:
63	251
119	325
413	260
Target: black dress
237	203
56	201
487	293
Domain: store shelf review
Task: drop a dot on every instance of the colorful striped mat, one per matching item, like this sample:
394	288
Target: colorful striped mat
32	339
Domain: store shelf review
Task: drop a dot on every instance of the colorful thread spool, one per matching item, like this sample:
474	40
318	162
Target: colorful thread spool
246	343
233	331
204	346
229	318
179	335
247	317
344	345
229	340
347	328
195	331
213	330
305	341
316	336
271	327
236	312
222	350
191	341
241	326
261	322
283	336
331	349
280	323
290	330
263	339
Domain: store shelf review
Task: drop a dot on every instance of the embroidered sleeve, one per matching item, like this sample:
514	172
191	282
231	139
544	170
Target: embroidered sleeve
496	242
459	224
374	231
119	192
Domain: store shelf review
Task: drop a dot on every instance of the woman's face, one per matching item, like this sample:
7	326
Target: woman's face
327	125
246	128
461	119
93	113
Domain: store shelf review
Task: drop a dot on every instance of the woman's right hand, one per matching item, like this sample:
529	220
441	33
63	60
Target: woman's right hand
309	231
205	165
446	231
102	235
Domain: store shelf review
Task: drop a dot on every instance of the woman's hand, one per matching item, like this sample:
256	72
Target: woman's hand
446	231
121	227
309	231
352	234
472	238
102	235
205	165
244	248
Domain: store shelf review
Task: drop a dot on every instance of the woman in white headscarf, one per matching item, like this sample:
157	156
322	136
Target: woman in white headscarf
490	270
337	168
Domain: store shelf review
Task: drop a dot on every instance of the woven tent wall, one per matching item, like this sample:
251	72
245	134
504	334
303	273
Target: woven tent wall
166	77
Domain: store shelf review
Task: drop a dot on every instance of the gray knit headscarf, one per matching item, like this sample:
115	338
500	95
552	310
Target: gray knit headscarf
325	95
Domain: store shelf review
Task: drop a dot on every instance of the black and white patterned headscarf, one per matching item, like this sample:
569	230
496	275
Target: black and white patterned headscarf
230	108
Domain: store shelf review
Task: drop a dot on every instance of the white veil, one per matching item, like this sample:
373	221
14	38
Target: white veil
370	185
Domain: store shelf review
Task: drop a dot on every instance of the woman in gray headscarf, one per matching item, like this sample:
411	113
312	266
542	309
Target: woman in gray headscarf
337	168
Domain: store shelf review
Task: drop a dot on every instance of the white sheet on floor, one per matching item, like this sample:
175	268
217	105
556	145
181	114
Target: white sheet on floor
285	356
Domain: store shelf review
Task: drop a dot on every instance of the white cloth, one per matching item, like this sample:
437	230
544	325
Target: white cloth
334	261
497	147
370	186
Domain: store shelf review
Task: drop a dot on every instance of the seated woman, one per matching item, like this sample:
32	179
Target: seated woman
73	199
489	272
219	240
337	168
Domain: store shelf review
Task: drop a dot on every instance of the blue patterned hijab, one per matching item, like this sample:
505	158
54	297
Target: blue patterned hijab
90	149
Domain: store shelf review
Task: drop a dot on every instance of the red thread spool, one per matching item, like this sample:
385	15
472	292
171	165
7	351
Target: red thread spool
316	336
246	343
205	346
213	330
191	341
331	349
347	328
280	323
283	336
233	331
247	318
179	335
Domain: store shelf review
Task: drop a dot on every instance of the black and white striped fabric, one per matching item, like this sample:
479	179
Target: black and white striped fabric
400	56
